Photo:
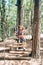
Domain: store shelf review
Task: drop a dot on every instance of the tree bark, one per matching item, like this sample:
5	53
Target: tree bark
36	29
3	19
20	13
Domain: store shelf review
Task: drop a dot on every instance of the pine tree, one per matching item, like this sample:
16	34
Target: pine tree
3	19
36	29
19	12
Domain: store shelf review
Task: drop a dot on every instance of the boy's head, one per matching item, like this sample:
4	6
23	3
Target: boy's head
20	27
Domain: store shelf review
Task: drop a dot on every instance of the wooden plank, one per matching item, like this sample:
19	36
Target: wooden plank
41	49
16	45
20	52
15	58
4	48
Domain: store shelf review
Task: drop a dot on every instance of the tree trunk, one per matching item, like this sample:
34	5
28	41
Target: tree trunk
36	29
3	19
20	13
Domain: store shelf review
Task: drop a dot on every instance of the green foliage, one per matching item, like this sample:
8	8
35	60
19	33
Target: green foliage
11	15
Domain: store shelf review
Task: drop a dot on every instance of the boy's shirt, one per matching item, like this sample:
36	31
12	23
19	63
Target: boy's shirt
20	33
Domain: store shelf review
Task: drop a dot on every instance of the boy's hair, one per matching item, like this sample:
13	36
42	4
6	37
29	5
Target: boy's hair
20	27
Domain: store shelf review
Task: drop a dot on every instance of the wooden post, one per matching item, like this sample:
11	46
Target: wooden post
36	29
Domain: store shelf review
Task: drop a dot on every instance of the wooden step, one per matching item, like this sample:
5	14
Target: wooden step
15	45
15	58
20	52
8	56
41	49
4	49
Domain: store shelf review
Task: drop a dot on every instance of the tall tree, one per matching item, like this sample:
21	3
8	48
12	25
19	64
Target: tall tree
19	12
3	19
36	30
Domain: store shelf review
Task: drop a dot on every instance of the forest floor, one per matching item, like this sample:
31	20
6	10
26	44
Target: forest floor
21	62
17	62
